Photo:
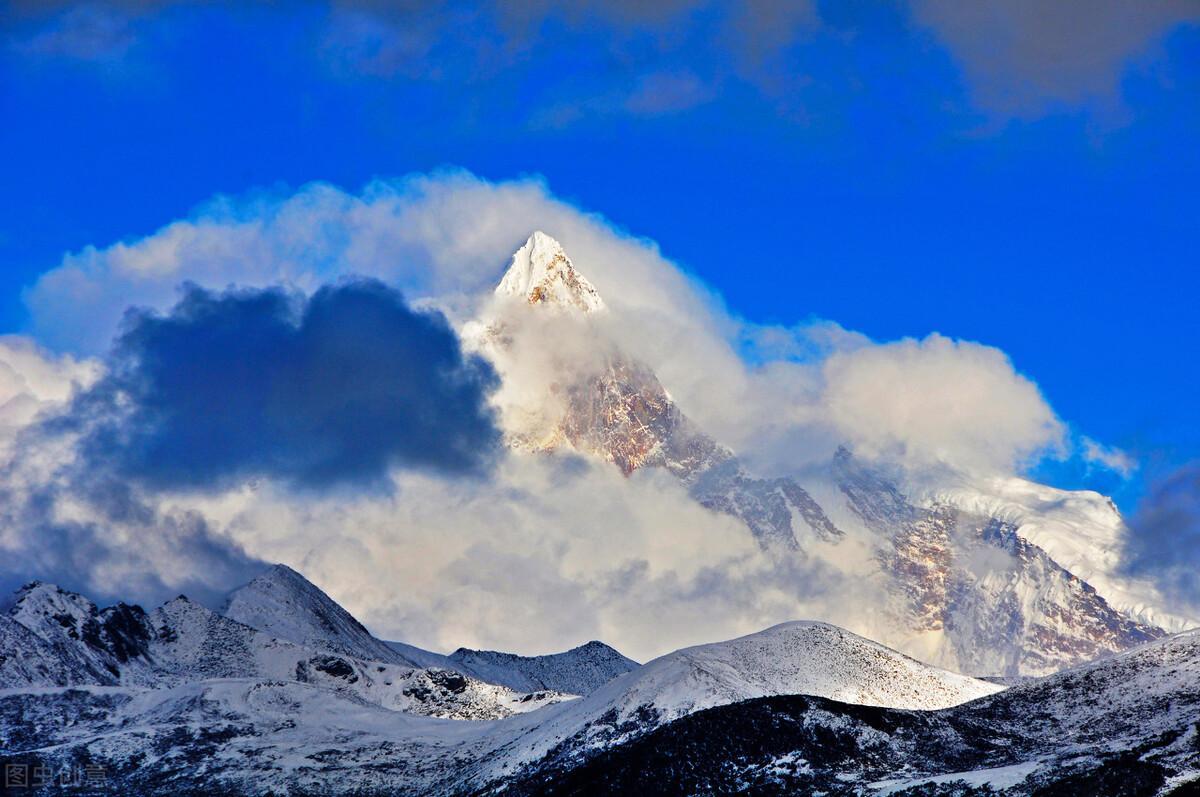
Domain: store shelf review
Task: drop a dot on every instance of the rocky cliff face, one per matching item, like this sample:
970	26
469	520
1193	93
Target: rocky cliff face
52	637
1002	605
967	590
620	412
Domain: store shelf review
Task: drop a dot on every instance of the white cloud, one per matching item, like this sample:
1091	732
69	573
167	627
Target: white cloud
1113	459
547	554
446	238
32	379
552	552
939	401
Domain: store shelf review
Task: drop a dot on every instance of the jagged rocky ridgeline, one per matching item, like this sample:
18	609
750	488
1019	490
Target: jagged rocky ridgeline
1031	615
182	700
279	626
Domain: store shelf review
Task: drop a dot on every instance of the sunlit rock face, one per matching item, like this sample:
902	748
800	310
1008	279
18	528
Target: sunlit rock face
965	587
542	274
615	408
993	602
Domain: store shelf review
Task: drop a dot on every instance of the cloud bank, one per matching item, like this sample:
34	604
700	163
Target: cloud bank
939	400
1164	538
33	380
332	389
542	552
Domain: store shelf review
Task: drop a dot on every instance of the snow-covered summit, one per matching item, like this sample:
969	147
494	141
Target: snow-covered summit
78	642
795	658
286	605
541	273
38	604
800	657
578	671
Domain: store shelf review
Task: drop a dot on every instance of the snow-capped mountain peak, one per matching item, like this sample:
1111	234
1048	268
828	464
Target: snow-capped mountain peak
78	641
798	657
541	273
794	658
578	671
286	605
37	601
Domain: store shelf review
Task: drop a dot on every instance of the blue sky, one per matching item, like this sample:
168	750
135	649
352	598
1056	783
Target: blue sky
1025	179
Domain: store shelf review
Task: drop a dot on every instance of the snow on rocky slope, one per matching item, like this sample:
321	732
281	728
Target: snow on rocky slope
226	737
578	671
1122	726
28	660
1080	529
976	595
53	637
791	658
196	644
73	640
797	658
797	708
237	722
286	605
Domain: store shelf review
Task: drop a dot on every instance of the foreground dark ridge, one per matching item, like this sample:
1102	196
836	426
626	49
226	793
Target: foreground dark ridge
1125	726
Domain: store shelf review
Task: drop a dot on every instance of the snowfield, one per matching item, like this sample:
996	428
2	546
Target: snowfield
185	701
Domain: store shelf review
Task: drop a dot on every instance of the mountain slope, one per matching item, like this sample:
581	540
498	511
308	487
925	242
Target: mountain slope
28	660
616	408
973	586
1081	530
195	644
702	720
54	638
1124	726
74	640
578	671
791	658
996	603
231	738
286	605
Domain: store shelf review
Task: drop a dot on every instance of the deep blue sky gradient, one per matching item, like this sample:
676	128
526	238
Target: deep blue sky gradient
865	184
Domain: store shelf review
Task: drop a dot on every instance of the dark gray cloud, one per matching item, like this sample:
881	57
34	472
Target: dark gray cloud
1023	57
316	392
1020	58
331	390
1164	538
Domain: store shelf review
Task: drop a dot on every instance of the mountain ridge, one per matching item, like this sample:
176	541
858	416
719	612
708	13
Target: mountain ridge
1028	615
798	707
